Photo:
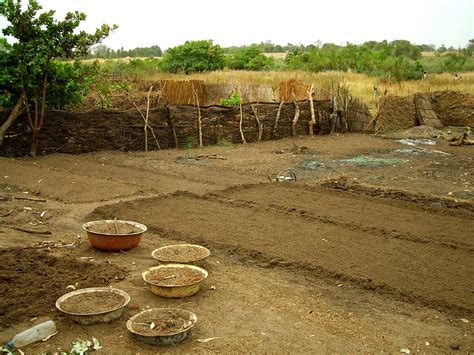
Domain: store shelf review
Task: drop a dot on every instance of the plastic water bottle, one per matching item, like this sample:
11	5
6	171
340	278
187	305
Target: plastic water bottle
33	334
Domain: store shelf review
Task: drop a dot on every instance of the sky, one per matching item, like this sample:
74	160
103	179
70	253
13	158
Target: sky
144	23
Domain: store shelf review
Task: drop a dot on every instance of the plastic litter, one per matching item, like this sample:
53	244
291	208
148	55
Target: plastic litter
36	333
417	141
313	165
372	161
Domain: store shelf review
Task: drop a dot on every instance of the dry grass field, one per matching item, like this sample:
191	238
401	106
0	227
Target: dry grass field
360	85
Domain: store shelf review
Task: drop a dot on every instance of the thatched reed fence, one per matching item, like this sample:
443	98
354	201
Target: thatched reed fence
187	113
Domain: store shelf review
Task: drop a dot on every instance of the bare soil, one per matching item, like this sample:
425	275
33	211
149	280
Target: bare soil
92	302
32	281
181	253
174	276
350	258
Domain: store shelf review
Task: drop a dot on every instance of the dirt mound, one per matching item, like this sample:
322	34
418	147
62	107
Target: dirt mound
395	112
32	281
454	108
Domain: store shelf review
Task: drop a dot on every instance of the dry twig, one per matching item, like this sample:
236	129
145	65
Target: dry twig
6	214
26	230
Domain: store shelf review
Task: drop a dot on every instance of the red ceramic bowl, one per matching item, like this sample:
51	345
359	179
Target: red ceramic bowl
114	235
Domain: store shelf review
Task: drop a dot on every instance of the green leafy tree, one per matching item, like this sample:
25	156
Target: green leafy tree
403	47
470	48
427	47
194	56
40	39
441	49
454	62
250	58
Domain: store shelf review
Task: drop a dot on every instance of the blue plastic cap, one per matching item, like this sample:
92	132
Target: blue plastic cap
10	344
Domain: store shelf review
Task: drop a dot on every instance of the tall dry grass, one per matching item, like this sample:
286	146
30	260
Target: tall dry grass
360	85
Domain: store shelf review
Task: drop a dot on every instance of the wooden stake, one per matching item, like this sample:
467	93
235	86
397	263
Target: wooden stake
297	114
277	118
146	124
196	99
240	124
259	123
312	121
146	119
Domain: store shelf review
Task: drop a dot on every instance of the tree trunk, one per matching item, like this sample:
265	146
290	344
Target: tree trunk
39	114
16	112
34	142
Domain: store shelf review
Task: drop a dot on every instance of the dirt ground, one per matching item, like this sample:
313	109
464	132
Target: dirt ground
359	255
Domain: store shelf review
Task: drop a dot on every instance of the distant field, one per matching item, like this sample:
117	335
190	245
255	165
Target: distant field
126	59
281	55
433	54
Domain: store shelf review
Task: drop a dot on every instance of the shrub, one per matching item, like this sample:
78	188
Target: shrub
194	56
454	62
250	58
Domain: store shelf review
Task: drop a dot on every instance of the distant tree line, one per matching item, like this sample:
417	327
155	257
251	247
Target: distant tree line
270	47
399	59
102	51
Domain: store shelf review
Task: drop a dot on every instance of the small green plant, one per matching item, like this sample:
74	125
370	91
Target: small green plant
233	100
190	143
222	142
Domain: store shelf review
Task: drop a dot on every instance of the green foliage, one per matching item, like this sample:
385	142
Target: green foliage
441	49
406	49
233	100
102	51
454	62
250	58
427	47
470	48
107	89
373	58
194	56
69	83
40	39
222	142
190	143
269	47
